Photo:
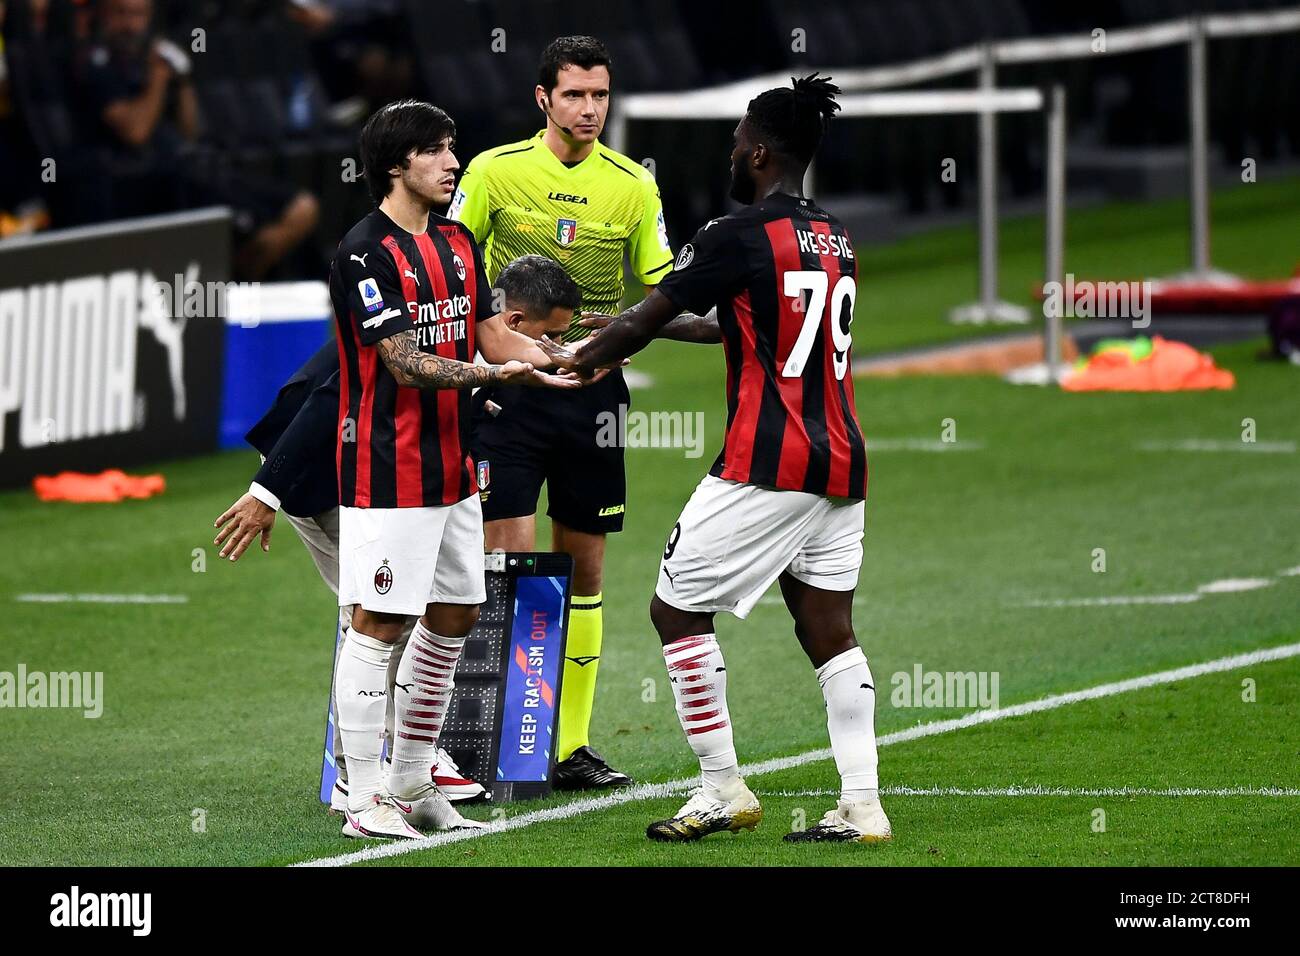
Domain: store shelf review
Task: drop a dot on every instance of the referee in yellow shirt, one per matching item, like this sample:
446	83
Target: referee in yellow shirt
564	195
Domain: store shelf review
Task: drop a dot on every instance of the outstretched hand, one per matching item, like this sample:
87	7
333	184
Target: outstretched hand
596	321
524	373
564	357
241	523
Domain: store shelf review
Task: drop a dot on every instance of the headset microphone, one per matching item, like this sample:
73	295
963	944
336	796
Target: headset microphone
564	129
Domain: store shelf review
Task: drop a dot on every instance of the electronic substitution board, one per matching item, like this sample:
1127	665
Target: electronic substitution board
501	726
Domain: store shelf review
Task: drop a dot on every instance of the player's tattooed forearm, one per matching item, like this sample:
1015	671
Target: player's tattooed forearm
411	366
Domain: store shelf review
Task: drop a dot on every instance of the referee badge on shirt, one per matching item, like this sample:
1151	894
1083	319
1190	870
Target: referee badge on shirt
370	296
566	230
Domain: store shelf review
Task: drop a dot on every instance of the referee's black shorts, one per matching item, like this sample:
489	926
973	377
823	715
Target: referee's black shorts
562	438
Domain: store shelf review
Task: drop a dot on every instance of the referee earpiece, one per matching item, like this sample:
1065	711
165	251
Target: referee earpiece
545	107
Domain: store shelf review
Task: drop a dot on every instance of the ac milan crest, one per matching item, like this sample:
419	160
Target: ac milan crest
383	578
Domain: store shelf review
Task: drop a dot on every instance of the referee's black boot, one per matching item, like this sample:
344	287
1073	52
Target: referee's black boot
585	769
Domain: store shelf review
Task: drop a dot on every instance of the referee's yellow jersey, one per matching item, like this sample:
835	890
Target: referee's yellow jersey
519	199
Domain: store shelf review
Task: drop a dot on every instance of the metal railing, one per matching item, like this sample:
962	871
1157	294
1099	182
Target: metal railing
984	60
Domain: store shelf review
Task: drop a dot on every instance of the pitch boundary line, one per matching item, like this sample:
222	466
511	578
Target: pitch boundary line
650	791
68	598
1040	791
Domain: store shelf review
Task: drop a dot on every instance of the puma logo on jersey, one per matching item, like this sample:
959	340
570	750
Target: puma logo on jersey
360	259
406	688
408	272
672	578
567	197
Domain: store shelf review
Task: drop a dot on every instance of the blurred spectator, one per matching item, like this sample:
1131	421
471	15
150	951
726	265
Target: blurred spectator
362	50
141	109
21	207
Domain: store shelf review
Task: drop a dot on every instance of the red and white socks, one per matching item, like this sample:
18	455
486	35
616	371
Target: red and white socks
698	677
850	693
421	696
360	694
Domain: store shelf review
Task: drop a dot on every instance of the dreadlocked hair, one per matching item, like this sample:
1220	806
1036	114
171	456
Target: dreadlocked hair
795	116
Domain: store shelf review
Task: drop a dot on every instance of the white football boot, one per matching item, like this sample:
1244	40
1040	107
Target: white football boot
381	820
737	809
339	798
455	786
862	821
429	809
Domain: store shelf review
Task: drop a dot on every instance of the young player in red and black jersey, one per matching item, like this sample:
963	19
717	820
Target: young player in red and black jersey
785	499
412	305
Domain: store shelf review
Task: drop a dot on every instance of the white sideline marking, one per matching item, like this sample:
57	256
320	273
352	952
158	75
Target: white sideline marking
921	444
1222	586
1233	585
1039	791
102	598
637	379
1115	600
648	791
1200	444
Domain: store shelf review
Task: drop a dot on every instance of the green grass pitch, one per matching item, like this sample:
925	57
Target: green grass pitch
214	708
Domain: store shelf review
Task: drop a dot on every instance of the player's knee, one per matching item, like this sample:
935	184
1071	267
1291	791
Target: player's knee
451	620
674	624
658	615
378	624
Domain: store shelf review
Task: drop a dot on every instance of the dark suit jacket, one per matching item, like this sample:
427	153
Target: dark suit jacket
298	437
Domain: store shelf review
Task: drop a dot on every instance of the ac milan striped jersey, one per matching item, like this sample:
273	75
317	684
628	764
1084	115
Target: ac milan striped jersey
400	446
782	275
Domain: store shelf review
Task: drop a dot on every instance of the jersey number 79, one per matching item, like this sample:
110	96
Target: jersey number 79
816	281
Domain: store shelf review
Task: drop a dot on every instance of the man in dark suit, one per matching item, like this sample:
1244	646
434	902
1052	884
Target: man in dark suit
296	438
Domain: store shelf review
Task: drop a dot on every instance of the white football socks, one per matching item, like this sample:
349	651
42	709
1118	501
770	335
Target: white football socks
850	694
394	662
698	677
360	692
421	696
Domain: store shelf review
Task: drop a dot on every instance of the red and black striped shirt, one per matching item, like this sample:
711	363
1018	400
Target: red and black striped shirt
783	276
400	446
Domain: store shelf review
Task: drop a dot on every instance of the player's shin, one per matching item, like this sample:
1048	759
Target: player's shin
422	694
698	677
850	693
394	662
360	689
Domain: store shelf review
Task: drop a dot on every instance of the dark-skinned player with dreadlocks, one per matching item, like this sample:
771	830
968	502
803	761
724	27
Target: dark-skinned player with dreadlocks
785	499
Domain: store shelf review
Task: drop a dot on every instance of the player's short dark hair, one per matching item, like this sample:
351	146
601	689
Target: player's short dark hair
537	285
794	117
581	51
390	135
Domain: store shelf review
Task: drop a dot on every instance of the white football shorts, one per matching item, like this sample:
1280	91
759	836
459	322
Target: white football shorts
733	540
398	560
